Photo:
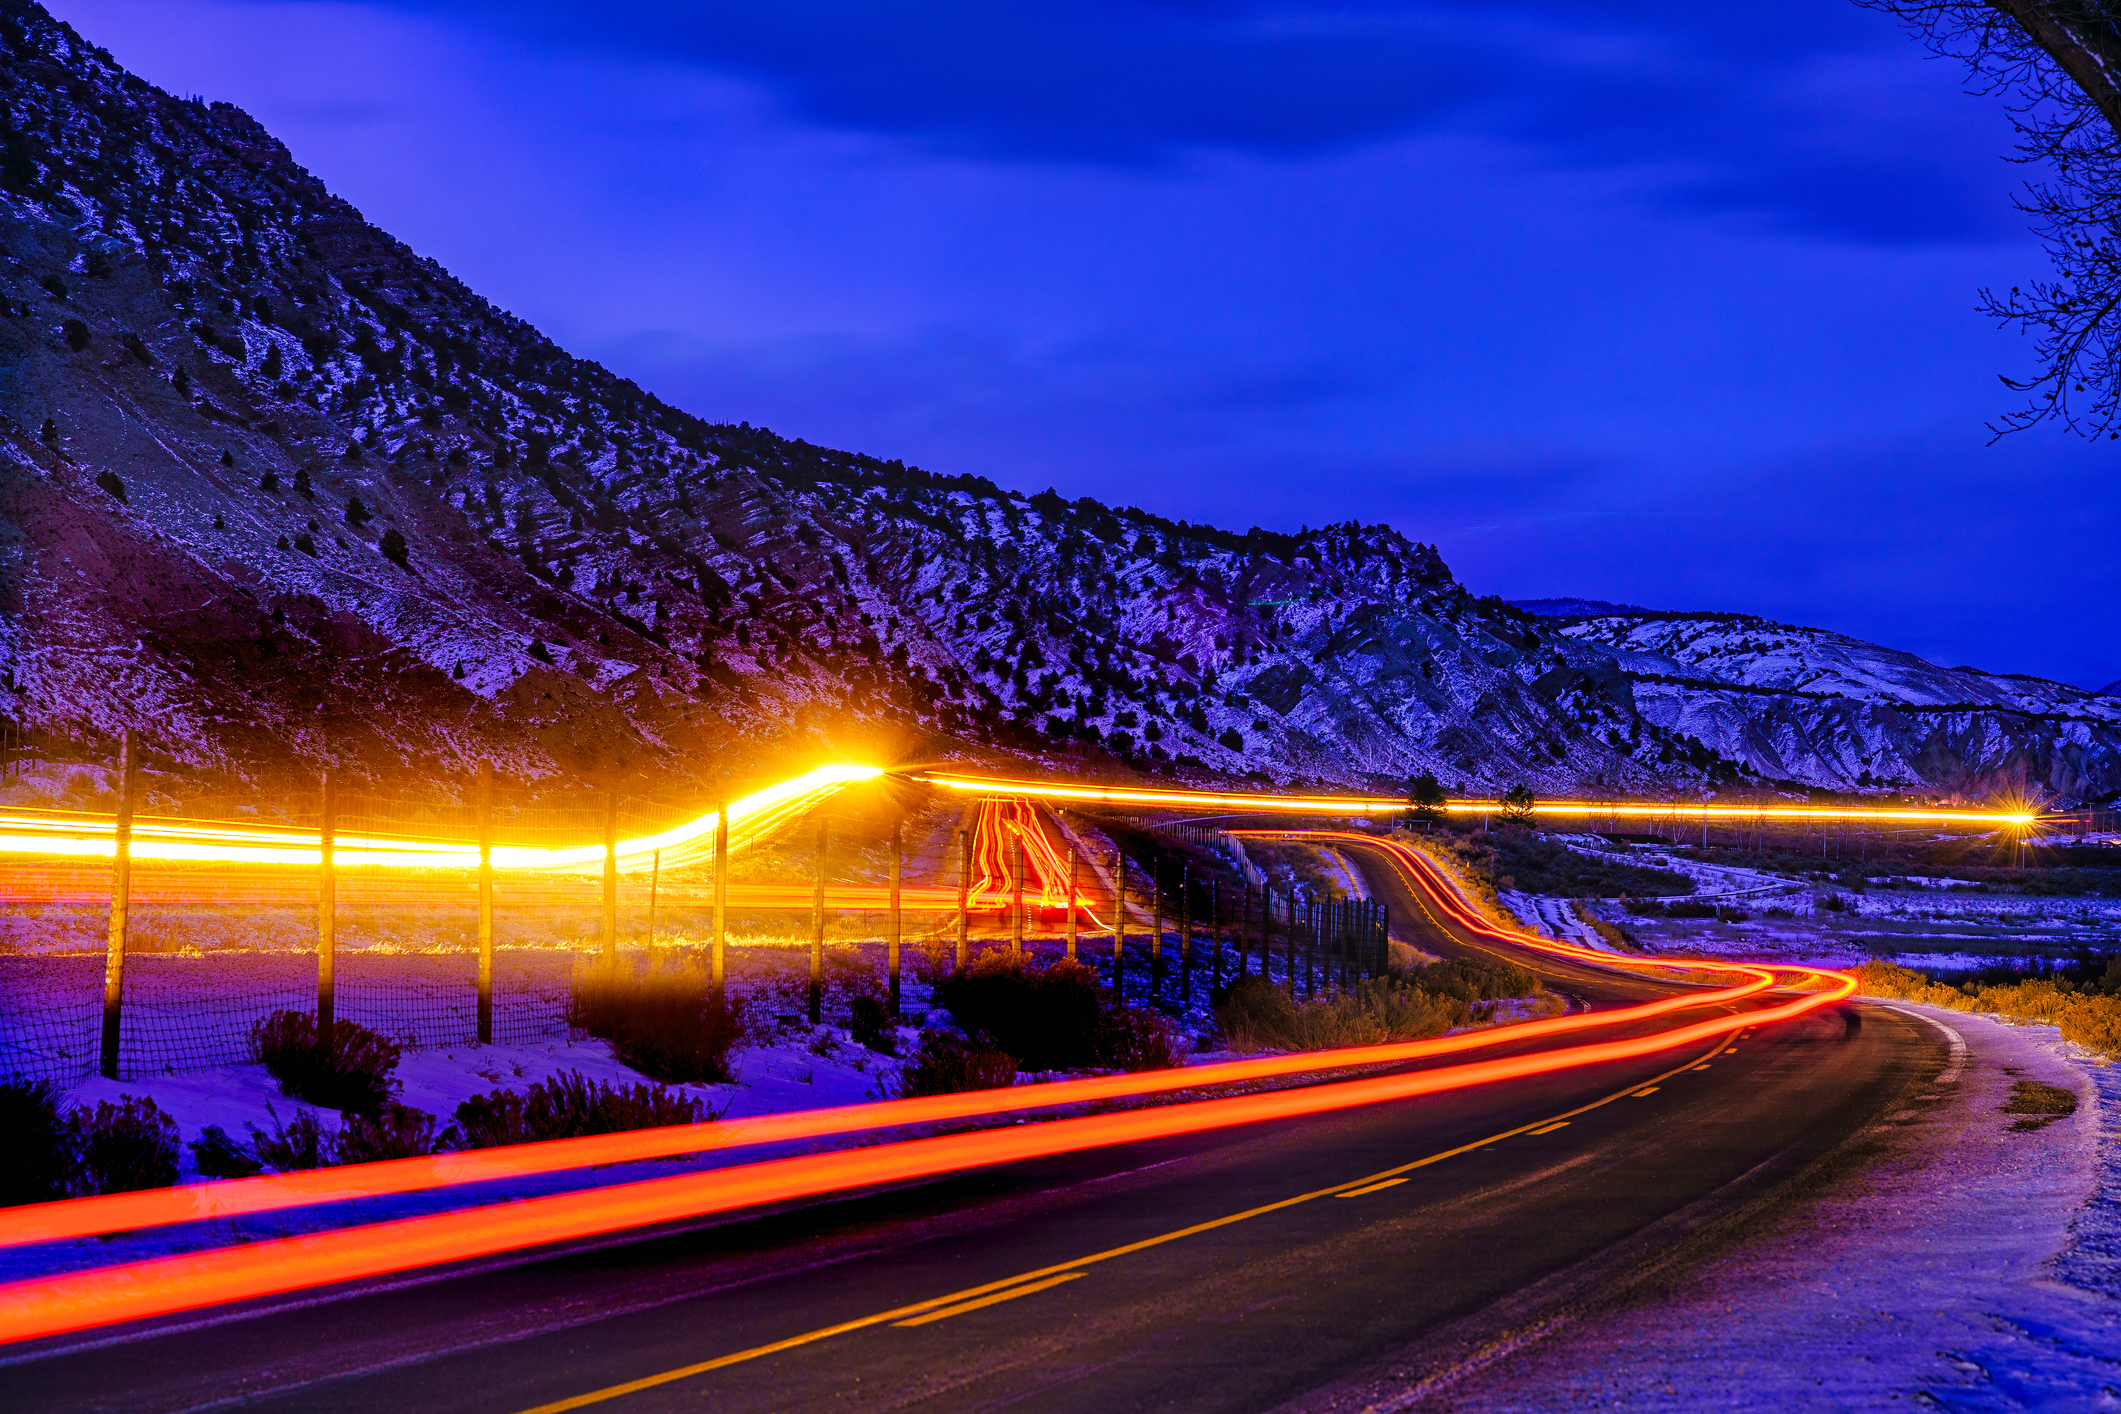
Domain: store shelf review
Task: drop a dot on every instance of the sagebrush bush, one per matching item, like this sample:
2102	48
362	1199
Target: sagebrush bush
570	1105
665	1022
1256	1014
869	1021
1048	1018
216	1155
394	1132
292	1145
1472	979
36	1150
122	1147
1137	1038
947	1064
356	1076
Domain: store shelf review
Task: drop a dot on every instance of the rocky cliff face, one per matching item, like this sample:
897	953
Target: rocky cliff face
275	487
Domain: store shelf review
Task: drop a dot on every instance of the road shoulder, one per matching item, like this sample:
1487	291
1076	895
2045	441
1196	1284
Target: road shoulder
1971	1263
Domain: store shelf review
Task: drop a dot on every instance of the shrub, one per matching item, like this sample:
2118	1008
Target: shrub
948	1064
394	1132
215	1155
1256	1014
355	1076
570	1105
1136	1038
123	1147
665	1023
869	1019
300	1143
1049	1018
1472	979
37	1159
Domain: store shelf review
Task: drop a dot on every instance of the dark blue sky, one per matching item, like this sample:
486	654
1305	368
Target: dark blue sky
1638	301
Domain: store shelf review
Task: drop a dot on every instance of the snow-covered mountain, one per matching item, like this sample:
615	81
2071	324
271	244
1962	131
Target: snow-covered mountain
1808	705
276	486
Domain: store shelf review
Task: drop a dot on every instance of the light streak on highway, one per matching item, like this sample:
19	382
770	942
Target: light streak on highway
160	1207
1388	805
75	1301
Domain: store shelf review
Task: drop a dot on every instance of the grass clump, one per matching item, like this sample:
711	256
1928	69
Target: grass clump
355	1075
2084	1015
1409	1005
570	1105
664	1022
215	1154
948	1064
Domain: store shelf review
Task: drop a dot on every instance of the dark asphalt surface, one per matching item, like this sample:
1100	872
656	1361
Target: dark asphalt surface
1321	1301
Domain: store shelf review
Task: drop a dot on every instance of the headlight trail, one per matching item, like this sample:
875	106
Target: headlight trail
74	1301
160	1207
1387	805
750	820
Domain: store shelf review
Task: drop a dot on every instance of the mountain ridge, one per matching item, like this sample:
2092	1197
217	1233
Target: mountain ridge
279	487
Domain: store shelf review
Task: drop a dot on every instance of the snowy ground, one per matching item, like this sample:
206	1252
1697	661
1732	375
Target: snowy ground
1972	1267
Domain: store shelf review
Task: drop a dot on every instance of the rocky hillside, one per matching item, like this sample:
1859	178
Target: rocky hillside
276	487
1805	705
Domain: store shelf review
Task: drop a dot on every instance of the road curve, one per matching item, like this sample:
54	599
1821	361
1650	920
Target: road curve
1317	1260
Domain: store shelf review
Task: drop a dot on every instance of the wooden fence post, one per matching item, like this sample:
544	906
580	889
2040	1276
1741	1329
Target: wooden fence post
121	905
485	809
1016	912
1119	929
1075	861
964	898
611	879
1156	936
1266	931
327	915
718	952
895	922
1185	938
655	879
817	930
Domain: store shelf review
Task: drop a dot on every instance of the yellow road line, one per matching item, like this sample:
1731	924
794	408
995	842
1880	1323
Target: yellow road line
1645	1091
1373	1188
899	1314
1010	1295
1549	1128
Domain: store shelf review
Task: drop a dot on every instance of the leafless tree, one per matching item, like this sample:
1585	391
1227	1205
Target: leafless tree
2056	64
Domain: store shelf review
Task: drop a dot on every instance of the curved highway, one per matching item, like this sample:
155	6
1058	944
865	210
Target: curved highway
1355	1259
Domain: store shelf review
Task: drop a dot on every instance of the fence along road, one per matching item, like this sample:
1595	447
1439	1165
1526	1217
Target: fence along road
1189	1269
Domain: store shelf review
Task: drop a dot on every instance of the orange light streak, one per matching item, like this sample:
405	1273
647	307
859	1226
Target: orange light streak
750	819
1386	805
73	1301
160	1207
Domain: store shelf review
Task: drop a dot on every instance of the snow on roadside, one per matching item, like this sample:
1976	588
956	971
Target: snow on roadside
1974	1266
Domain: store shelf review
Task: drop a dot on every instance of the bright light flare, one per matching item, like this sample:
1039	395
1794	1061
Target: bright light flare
750	820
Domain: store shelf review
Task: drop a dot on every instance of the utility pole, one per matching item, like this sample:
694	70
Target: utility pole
121	905
718	952
894	919
327	914
485	984
817	930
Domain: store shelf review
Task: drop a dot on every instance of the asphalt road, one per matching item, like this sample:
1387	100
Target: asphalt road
1337	1261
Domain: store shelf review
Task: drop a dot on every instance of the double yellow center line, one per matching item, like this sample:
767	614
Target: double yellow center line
1045	1278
